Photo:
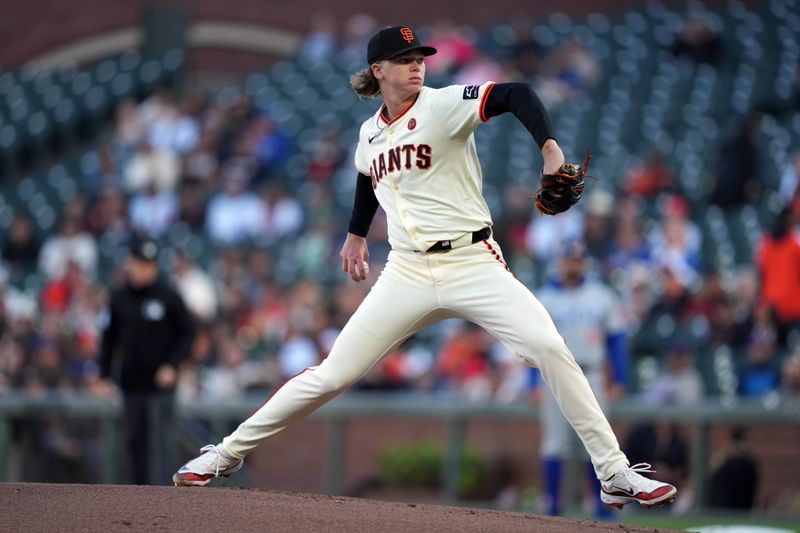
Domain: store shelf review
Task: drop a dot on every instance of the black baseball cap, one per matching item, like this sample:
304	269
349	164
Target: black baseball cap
393	41
144	249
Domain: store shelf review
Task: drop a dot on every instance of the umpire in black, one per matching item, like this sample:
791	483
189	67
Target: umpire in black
148	332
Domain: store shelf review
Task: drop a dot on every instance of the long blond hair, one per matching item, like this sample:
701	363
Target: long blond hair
364	83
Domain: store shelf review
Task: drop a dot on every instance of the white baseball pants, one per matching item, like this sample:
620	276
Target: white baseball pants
556	437
415	290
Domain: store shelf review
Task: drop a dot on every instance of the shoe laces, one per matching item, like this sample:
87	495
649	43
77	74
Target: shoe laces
633	474
212	448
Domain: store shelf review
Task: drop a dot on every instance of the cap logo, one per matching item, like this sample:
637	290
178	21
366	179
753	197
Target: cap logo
407	34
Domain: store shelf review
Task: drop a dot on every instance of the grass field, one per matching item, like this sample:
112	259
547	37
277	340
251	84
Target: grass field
687	523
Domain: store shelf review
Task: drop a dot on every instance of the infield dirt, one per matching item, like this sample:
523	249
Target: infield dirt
34	507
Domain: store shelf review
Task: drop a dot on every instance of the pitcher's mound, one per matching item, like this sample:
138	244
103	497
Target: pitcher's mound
101	508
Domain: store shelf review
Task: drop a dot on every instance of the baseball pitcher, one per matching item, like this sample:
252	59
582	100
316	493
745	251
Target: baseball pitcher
416	158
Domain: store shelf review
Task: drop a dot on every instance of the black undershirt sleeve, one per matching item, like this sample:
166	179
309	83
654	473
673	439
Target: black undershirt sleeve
521	100
364	206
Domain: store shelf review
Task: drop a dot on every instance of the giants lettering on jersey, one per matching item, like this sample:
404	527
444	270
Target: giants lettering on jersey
398	158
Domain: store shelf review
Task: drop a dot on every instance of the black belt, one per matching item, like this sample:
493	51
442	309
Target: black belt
445	246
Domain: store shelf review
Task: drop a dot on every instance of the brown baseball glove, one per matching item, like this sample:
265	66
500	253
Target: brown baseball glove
561	190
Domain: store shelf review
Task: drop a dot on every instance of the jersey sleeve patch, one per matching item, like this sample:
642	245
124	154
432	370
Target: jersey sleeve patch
471	92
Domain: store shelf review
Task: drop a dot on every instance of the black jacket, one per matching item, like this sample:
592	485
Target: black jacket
146	327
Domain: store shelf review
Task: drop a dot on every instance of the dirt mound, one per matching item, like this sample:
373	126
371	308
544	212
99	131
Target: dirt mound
41	507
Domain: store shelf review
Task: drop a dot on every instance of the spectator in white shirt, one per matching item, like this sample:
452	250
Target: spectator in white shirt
152	211
72	244
235	214
175	132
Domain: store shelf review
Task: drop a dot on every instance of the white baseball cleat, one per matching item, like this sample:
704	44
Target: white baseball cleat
213	462
629	486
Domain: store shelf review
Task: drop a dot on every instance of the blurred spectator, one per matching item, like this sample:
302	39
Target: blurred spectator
574	66
778	260
637	295
57	293
511	379
454	48
284	214
233	374
790	181
128	134
673	297
651	177
463	363
629	250
148	166
697	41
744	295
228	120
174	131
568	70
546	235
158	104
510	227
320	42
195	286
478	68
12	364
152	211
735	179
357	31
192	205
314	251
70	245
128	128
326	155
790	377
21	247
45	371
147	334
526	53
235	214
298	352
405	367
711	306
734	481
678	382
107	218
201	164
676	241
598	231
266	146
759	374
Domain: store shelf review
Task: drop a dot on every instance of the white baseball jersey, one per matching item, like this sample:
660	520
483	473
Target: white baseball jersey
584	315
425	168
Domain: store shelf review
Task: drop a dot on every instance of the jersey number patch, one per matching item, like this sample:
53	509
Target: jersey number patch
471	92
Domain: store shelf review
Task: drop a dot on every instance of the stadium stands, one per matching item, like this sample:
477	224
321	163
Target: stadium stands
645	97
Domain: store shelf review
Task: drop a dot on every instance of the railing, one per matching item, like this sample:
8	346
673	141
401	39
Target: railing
453	412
